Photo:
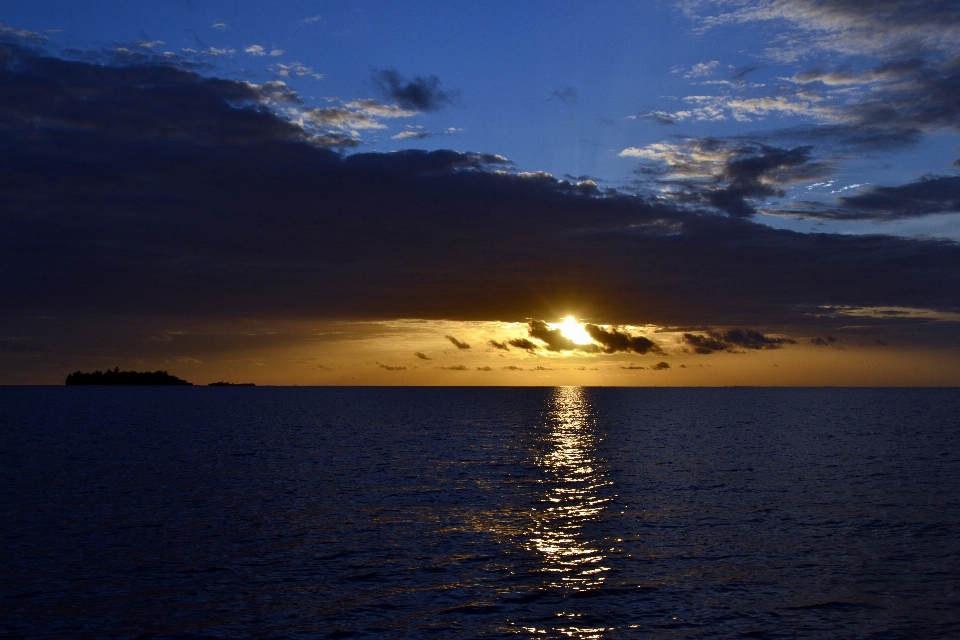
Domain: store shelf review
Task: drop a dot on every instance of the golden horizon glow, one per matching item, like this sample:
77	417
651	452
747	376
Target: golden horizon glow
411	352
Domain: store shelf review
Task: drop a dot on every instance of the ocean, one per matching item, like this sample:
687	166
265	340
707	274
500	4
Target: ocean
150	512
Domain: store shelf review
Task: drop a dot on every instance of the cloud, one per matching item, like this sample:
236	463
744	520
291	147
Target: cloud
523	343
633	367
729	175
145	190
660	366
512	368
702	69
740	74
456	367
484	369
334	139
421	355
930	195
888	27
420	93
312	19
457	343
566	95
613	340
379	110
499	345
555	340
297	69
411	135
341	118
733	340
7	31
659	117
389	368
419	133
707	108
913	83
821	342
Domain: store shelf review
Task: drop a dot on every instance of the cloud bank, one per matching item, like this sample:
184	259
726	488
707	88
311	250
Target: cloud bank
145	189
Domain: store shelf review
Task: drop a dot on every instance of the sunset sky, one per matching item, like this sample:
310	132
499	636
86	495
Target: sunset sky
666	192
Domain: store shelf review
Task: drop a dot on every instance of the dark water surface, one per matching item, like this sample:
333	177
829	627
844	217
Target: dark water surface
462	513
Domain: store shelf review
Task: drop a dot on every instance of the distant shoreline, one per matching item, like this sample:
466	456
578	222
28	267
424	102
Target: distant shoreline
117	377
138	378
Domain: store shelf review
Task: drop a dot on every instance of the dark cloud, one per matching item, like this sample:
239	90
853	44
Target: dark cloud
633	366
498	345
660	366
732	341
905	94
484	369
729	174
755	175
457	343
421	93
902	82
613	340
823	342
844	139
739	74
456	367
930	195
916	84
146	190
389	368
566	95
877	28
422	356
660	117
522	343
555	340
512	368
22	33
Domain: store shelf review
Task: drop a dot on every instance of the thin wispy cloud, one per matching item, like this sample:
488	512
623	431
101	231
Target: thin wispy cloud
295	69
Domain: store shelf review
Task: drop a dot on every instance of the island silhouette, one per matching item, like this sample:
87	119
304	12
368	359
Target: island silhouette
125	377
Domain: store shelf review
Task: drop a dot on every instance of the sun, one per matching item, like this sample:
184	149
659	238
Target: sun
573	330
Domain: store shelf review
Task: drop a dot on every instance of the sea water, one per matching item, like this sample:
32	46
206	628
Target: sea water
479	512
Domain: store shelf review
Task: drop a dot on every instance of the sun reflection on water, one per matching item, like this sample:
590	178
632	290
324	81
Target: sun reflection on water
572	500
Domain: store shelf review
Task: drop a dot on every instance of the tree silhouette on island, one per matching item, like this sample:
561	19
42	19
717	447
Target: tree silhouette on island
116	376
125	377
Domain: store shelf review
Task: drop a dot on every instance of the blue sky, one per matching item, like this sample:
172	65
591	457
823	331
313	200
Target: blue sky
335	189
560	87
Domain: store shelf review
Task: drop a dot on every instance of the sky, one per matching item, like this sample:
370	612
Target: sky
667	192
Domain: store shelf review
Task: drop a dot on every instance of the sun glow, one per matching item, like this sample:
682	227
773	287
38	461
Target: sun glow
573	330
